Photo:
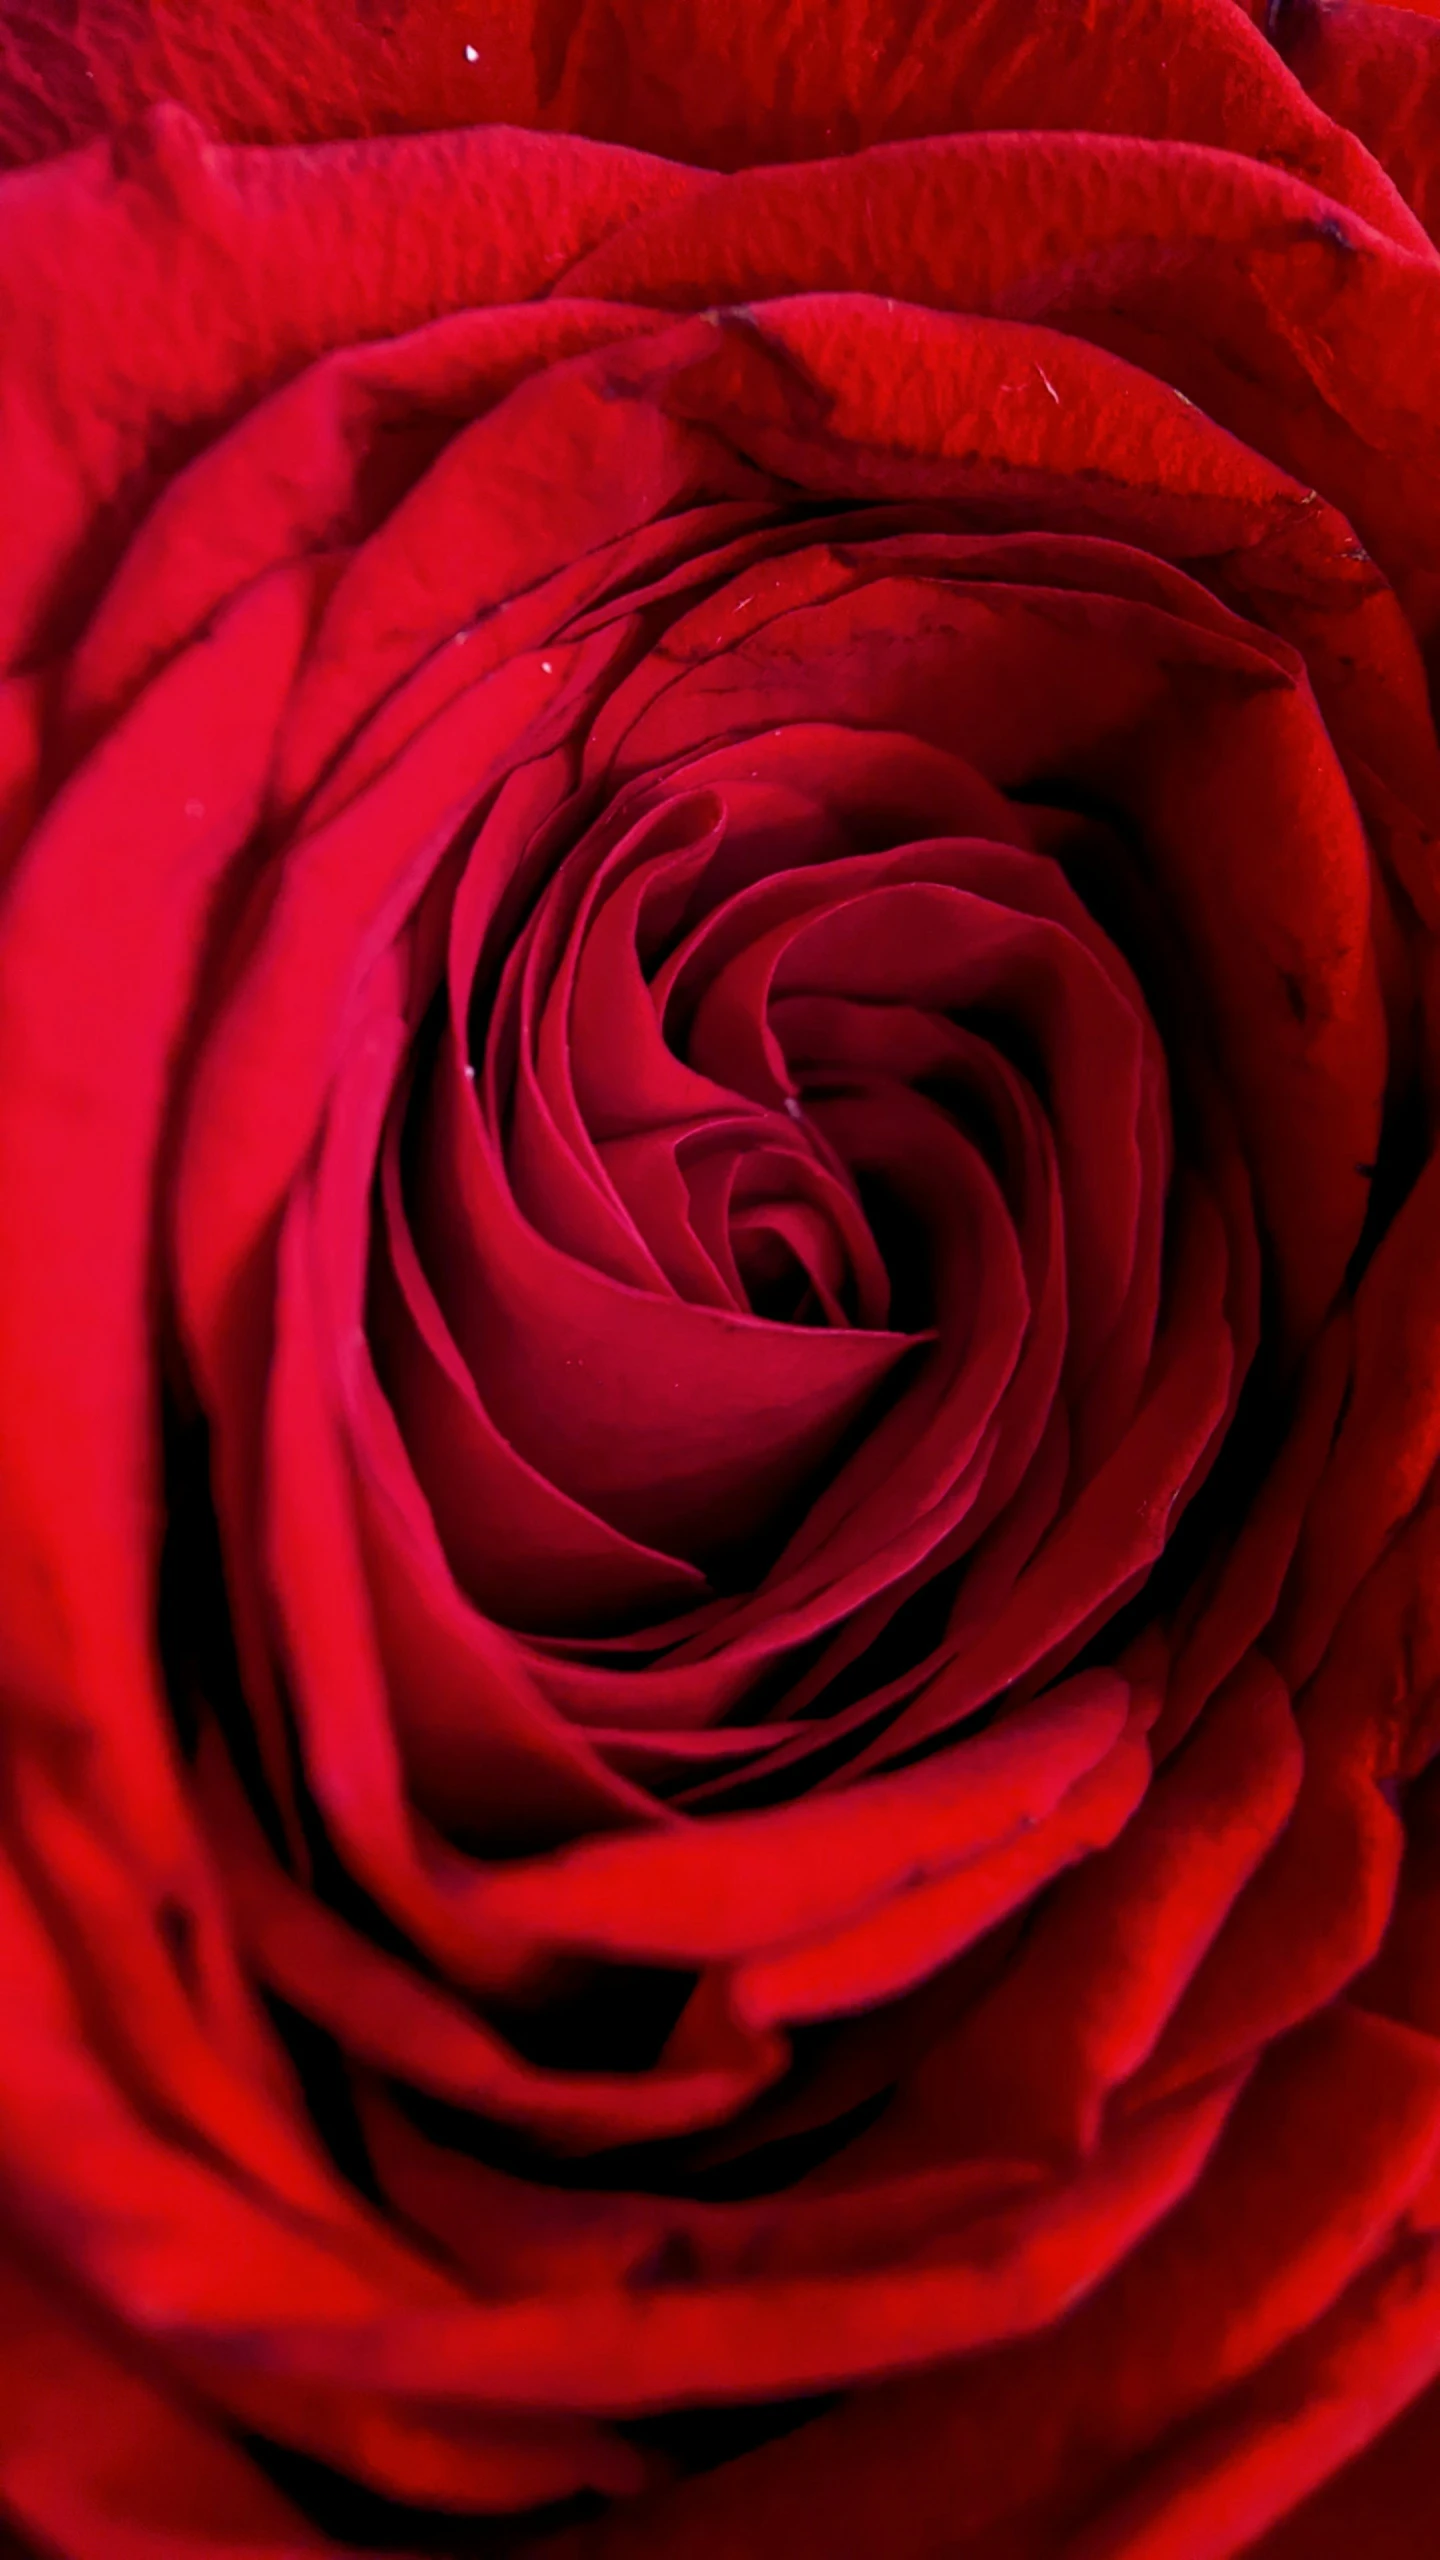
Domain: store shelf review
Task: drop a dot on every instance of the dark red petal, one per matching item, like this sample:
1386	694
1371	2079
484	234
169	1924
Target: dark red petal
928	1924
1278	2251
1115	1945
1227	279
746	85
211	2257
1319	2402
1389	1440
684	1426
389	2017
1376	72
1318	1909
309	471
521	1547
1377	2501
115	261
102	2459
746	1882
742	2338
95	996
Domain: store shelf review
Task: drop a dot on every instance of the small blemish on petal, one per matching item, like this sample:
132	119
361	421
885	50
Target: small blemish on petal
547	666
470	53
194	808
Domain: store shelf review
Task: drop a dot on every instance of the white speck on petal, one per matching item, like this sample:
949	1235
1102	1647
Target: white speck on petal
470	54
547	667
1049	385
793	1107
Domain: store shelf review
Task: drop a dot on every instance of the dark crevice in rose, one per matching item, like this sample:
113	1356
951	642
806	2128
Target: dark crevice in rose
740	1565
1204	1531
1393	1172
1108	865
903	1646
906	1253
177	1929
606	2018
770	2167
969	1110
756	2163
771	1787
193	1625
1014	1041
354	2516
1105	859
333	1884
324	2075
699	2440
192	1618
689	2441
401	452
935	1745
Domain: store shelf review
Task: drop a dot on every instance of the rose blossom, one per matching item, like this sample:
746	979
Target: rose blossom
719	1354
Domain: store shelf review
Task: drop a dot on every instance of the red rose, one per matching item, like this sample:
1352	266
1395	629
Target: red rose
720	1366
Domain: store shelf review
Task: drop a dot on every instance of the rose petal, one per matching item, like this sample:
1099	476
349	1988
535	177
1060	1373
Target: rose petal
1376	73
116	260
784	86
1022	2442
747	1882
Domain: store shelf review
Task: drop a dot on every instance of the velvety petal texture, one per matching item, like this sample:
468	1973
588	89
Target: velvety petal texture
719	1346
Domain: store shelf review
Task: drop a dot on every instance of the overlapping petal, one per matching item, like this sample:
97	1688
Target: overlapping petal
717	986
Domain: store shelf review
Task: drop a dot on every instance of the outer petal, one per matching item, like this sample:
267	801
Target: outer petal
100	2460
1389	1441
1278	2256
1307	334
1375	71
114	265
738	84
1378	2502
95	996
